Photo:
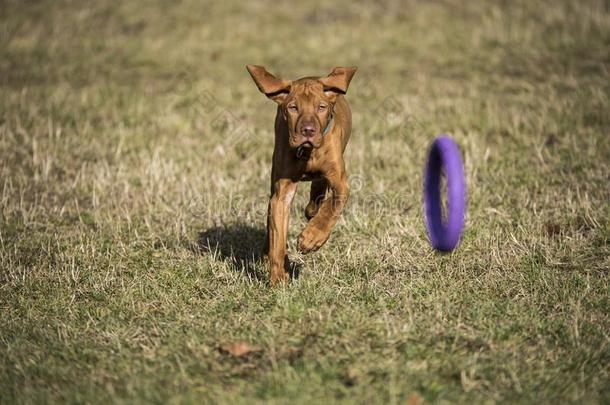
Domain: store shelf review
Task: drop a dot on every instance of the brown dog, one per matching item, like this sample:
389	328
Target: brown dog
312	127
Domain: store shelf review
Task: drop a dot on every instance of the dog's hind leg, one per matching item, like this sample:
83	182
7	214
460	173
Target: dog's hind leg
316	196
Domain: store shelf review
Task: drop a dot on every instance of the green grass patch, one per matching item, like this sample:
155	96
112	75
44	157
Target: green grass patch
134	171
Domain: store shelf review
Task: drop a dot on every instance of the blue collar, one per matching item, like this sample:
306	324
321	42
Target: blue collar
330	123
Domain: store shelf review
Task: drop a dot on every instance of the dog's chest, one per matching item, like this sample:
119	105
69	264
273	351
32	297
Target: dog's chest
322	162
314	168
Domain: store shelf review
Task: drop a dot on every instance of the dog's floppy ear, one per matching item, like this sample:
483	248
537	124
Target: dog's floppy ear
274	88
338	80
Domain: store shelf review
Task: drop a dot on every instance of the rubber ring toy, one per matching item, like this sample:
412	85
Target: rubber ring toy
444	231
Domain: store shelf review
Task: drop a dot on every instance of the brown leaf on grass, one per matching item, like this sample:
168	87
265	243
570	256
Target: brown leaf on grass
414	399
239	349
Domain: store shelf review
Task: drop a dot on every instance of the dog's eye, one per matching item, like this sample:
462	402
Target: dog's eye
293	107
321	107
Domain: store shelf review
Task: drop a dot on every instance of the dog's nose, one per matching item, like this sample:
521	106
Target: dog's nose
308	129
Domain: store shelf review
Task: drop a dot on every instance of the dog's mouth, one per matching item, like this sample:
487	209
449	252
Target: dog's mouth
304	150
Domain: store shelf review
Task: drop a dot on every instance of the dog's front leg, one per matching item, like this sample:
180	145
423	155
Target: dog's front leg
318	229
283	192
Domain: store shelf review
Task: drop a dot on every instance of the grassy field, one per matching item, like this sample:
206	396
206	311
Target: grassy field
134	171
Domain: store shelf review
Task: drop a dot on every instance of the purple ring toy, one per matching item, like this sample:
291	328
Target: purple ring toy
445	230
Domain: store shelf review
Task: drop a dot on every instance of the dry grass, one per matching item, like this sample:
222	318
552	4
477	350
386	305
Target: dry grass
135	156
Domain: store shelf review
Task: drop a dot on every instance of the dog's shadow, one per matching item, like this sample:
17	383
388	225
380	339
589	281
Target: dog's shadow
242	246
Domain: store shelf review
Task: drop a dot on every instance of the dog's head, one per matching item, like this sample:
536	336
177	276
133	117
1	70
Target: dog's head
307	104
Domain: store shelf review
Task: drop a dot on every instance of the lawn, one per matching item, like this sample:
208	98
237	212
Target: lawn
135	156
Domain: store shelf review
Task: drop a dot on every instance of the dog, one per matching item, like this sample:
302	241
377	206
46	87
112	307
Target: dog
312	127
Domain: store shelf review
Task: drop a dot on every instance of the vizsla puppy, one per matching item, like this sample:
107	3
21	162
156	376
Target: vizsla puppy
312	127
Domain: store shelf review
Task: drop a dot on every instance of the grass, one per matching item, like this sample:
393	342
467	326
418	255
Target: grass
134	170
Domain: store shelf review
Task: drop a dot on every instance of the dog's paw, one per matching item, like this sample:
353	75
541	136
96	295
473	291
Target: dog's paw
311	239
278	277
